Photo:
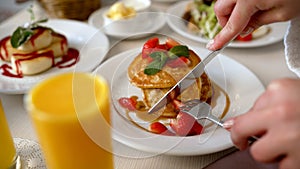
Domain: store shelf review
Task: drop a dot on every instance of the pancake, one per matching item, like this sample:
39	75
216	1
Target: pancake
155	86
201	89
166	78
41	60
41	39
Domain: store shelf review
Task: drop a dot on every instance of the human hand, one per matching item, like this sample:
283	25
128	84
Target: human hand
244	16
275	119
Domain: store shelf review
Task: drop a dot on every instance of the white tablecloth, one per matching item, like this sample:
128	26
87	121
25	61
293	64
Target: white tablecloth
268	63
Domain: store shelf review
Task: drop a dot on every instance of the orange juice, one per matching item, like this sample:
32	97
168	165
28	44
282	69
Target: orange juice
7	147
71	115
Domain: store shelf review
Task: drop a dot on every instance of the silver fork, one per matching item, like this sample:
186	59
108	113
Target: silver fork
201	110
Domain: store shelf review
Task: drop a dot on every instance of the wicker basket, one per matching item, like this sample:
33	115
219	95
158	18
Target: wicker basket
70	9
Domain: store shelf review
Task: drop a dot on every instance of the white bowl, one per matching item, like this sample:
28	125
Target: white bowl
128	26
138	5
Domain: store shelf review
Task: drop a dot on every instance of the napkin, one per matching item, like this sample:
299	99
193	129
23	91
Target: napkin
240	160
292	46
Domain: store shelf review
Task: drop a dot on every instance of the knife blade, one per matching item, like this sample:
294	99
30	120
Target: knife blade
186	81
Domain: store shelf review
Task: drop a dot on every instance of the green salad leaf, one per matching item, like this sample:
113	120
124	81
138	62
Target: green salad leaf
205	19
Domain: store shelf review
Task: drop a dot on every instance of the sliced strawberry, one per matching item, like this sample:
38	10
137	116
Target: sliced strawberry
159	48
149	46
171	43
151	43
173	94
244	38
178	62
196	129
150	59
177	104
163	47
146	52
128	103
159	128
186	125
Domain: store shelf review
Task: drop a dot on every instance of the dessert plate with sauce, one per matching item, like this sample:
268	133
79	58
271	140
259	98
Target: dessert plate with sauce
91	44
145	24
233	78
174	19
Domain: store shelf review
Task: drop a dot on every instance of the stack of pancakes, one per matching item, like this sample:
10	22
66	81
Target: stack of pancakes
155	86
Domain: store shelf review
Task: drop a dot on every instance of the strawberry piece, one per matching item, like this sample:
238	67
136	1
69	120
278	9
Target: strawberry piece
149	59
128	103
146	52
171	43
151	43
181	61
173	94
186	125
244	38
149	46
162	47
159	48
177	104
159	128
197	129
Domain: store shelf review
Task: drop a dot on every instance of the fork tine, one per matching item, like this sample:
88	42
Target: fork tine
189	105
197	109
193	102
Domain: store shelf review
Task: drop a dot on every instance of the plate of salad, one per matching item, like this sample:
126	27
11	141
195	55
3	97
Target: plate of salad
197	21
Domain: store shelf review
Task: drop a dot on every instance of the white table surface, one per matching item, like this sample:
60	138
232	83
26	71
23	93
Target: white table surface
267	63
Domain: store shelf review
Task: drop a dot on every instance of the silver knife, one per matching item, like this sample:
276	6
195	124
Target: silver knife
187	80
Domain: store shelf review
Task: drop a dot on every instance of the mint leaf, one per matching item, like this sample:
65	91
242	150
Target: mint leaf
23	34
158	55
178	51
153	68
160	58
36	24
20	36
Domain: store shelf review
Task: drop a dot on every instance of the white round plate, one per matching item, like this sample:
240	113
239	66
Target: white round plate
175	21
89	41
155	22
242	86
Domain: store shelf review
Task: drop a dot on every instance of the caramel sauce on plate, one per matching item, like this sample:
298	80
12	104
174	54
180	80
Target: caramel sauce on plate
149	118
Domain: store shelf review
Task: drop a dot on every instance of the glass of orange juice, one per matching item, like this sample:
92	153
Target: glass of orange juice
71	115
8	155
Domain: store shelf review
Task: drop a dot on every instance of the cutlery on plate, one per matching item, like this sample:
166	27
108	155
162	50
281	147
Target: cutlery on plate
187	80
